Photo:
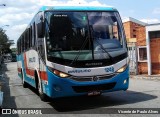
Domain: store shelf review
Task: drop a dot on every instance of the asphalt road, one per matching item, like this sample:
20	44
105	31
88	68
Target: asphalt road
141	94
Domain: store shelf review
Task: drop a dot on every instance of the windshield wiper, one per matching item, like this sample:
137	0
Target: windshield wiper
77	56
111	58
92	35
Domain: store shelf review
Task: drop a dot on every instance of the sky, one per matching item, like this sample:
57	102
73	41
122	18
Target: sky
18	13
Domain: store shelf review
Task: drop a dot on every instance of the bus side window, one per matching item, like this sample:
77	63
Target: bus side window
26	39
18	46
33	35
40	40
30	36
22	43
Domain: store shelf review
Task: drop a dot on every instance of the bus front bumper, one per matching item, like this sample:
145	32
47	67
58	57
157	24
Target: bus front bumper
64	87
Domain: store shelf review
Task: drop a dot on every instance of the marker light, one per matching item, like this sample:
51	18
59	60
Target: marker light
122	69
125	81
58	73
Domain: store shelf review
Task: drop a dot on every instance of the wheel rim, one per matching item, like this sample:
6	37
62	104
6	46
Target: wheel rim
39	88
22	79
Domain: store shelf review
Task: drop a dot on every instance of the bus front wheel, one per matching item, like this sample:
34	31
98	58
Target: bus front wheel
42	96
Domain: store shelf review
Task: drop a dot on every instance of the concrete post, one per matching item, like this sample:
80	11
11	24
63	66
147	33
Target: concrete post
148	53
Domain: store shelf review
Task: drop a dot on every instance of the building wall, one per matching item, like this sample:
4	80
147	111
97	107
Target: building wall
127	29
141	41
141	36
131	29
139	31
135	30
155	55
142	68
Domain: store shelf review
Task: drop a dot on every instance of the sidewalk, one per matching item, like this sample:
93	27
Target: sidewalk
1	84
147	77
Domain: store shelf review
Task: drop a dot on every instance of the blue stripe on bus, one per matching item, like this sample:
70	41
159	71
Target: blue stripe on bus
79	8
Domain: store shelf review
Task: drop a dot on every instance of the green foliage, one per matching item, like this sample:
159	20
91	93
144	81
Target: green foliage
14	50
4	42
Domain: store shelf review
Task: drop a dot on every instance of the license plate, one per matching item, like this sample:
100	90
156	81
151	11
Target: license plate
94	93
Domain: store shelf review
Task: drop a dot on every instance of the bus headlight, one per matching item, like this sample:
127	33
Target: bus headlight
58	73
63	75
122	69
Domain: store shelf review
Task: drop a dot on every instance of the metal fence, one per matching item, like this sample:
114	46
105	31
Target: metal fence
132	52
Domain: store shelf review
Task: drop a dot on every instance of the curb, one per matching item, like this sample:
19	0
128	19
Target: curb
157	77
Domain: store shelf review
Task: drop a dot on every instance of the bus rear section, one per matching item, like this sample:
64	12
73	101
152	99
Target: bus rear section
82	51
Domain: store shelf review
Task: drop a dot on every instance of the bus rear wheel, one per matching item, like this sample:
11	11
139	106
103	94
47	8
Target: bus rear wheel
23	81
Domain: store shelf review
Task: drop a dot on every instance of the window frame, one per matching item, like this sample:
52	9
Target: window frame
140	47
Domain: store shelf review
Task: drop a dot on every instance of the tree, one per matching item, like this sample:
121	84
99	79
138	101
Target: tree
14	50
5	43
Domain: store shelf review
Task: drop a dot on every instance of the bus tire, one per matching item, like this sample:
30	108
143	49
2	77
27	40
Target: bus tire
42	96
23	82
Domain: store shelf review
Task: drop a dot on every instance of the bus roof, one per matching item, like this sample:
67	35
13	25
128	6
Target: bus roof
77	8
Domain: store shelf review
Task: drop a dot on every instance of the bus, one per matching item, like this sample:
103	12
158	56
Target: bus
72	51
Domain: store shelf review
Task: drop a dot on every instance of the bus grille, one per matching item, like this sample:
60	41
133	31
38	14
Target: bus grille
90	78
101	87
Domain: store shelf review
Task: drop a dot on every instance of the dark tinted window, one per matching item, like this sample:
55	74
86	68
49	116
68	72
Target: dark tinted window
154	34
33	35
74	37
68	32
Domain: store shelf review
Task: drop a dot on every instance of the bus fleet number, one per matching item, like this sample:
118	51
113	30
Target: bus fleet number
109	69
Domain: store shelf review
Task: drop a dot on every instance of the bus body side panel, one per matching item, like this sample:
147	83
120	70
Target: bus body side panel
29	63
44	77
25	68
63	87
35	65
23	65
19	65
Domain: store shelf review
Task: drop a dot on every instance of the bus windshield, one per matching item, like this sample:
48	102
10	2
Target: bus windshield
73	37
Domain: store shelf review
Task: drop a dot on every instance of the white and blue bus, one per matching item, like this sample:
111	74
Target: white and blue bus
73	51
